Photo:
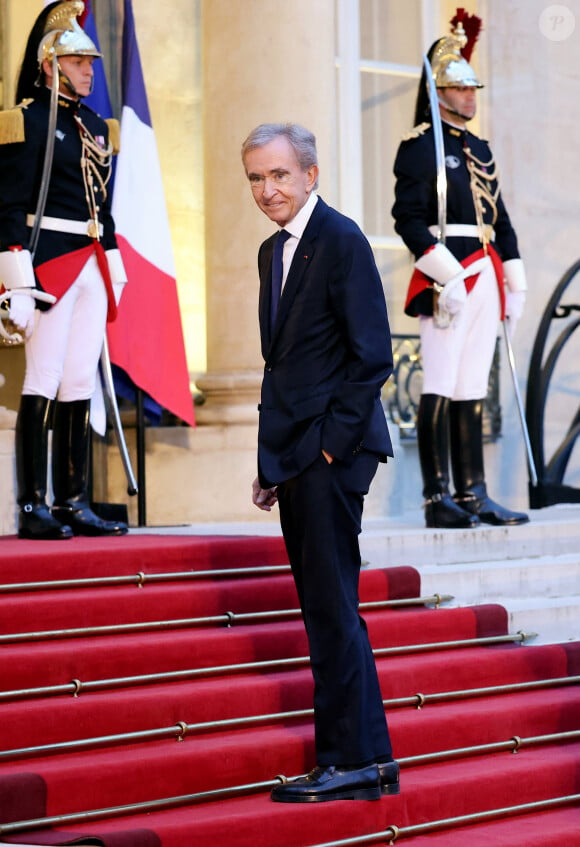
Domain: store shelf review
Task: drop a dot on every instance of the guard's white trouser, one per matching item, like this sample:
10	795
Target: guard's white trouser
62	354
457	360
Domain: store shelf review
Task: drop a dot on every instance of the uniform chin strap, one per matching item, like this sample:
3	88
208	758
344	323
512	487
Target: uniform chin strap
453	111
72	90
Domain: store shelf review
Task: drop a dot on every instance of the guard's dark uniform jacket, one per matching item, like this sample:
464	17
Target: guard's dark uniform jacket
415	208
21	164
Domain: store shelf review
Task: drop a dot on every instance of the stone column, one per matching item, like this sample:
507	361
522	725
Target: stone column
264	60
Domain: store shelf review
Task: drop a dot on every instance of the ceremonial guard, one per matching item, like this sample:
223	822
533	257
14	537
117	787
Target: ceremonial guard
468	274
60	263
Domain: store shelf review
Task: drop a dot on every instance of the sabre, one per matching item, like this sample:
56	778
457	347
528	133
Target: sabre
441	183
439	151
109	389
512	364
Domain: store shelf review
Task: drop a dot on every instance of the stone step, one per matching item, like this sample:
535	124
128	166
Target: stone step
554	619
490	581
532	570
406	541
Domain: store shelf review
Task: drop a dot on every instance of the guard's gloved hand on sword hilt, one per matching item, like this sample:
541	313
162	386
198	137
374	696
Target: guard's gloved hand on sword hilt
17	277
448	276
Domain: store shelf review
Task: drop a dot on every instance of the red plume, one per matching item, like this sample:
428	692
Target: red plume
82	17
472	26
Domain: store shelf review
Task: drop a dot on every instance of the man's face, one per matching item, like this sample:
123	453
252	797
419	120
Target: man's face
79	69
461	99
279	185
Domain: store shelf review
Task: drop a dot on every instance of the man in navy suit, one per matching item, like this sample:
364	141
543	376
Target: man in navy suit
322	433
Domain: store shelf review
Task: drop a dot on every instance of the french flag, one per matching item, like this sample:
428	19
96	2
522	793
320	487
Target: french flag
146	340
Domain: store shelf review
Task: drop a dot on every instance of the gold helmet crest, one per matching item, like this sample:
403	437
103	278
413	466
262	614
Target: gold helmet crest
63	35
449	57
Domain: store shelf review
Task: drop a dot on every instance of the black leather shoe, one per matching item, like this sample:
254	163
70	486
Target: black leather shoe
389	777
331	783
36	523
442	512
488	511
83	521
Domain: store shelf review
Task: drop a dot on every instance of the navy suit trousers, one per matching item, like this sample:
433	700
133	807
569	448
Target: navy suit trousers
320	513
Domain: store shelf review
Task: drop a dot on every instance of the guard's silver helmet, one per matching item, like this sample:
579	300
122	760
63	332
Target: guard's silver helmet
63	35
450	69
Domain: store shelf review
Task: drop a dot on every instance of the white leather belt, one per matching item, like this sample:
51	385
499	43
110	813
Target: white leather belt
65	225
464	231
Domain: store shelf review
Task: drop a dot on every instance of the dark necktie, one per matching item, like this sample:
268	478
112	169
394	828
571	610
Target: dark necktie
277	273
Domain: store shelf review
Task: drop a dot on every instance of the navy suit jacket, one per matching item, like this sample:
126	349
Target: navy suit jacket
328	355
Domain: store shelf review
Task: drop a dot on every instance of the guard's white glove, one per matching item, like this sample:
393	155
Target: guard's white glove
117	271
516	286
453	295
515	275
22	310
514	307
440	264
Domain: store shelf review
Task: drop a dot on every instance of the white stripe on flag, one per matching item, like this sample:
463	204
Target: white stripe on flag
138	201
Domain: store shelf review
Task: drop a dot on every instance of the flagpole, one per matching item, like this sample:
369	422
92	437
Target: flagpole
140	425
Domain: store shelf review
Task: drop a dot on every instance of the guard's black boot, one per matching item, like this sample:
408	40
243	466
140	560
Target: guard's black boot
31	447
70	465
465	421
433	442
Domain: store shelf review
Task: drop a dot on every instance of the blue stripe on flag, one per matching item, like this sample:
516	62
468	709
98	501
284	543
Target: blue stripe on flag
134	94
99	100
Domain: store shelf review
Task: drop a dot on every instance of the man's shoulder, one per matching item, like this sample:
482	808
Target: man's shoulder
329	217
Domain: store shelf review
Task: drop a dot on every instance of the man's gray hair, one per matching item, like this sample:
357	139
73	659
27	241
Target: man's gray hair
302	140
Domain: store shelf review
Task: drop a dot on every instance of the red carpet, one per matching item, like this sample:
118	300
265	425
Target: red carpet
200	683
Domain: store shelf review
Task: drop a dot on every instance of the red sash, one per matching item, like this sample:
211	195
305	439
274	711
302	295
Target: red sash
57	275
420	281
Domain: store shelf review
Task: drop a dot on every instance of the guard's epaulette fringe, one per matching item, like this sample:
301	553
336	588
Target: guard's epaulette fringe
12	124
114	134
418	130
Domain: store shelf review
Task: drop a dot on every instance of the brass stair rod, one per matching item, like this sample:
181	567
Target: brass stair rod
181	729
393	833
133	808
520	637
76	686
34	693
177	731
225	619
418	700
511	688
514	745
94	743
240	790
140	579
432	600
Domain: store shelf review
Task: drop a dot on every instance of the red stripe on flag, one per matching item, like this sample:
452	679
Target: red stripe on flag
154	359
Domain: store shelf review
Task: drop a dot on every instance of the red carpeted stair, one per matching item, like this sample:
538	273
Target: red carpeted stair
158	680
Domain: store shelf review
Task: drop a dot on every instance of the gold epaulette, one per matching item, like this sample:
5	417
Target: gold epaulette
114	134
418	130
12	124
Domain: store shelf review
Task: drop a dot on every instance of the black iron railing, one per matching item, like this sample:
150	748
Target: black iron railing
552	401
403	391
